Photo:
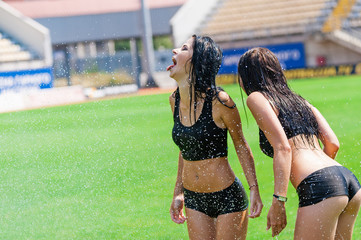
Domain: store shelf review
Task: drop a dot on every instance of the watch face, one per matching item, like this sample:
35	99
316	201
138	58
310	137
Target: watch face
283	199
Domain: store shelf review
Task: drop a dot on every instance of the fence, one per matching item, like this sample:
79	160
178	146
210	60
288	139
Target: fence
113	67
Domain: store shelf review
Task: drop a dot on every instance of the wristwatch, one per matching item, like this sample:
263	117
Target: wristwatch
280	198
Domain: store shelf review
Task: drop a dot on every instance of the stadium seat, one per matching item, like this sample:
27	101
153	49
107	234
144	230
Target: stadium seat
263	18
12	52
354	18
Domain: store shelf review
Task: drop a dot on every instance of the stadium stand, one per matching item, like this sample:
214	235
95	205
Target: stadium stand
26	78
10	51
343	25
24	43
316	32
353	21
251	19
337	16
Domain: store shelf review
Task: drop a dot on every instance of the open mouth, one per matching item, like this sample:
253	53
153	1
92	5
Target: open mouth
171	66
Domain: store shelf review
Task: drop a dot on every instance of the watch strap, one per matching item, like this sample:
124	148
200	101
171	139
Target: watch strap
280	198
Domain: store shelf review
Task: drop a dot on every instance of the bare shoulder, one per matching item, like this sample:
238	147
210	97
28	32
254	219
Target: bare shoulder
225	112
172	101
309	104
172	98
256	99
225	99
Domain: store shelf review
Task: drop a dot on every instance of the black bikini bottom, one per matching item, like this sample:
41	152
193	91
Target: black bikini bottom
229	200
325	183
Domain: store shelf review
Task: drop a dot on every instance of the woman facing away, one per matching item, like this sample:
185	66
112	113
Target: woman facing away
329	196
214	199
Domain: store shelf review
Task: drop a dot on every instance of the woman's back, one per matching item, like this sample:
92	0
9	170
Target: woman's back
307	159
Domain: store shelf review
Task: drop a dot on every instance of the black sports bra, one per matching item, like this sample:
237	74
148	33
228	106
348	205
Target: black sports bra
202	140
291	130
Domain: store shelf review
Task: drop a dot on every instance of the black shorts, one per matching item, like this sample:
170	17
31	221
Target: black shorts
229	200
325	183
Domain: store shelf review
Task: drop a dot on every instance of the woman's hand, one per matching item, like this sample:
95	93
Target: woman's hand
176	210
276	218
256	203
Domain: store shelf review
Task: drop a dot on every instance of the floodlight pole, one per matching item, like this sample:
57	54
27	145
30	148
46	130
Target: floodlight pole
135	64
147	39
67	65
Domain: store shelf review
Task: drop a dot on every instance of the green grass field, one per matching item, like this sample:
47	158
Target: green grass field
106	170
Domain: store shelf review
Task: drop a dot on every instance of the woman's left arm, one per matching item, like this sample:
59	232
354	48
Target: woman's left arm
232	121
328	138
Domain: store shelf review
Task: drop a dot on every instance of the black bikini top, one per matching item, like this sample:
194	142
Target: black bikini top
202	140
290	129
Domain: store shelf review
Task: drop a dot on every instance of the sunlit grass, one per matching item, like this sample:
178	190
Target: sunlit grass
106	170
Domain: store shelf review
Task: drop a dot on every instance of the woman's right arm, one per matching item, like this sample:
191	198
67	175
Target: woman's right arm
327	136
176	208
268	121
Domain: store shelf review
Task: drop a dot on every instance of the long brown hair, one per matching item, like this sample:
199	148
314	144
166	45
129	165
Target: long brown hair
259	70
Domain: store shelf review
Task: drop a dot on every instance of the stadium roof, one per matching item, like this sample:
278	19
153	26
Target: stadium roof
62	8
71	21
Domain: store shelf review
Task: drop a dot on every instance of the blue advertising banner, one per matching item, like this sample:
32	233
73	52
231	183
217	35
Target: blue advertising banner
290	55
19	81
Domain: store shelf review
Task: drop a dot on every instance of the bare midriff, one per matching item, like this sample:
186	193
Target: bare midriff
307	159
209	175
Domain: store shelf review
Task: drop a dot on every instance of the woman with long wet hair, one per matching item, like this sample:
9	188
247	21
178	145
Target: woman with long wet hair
215	200
290	130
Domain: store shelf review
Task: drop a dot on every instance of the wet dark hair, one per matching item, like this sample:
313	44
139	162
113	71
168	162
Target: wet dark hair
206	61
259	70
205	64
